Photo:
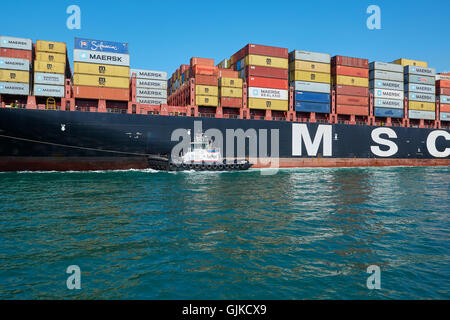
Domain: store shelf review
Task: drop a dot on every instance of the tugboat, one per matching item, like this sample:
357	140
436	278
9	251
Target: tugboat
200	156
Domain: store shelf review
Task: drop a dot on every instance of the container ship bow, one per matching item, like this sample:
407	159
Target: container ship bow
277	109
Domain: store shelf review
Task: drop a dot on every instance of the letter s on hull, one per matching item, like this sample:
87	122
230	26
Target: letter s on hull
431	143
393	148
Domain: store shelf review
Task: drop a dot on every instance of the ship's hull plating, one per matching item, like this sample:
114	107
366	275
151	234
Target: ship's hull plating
62	140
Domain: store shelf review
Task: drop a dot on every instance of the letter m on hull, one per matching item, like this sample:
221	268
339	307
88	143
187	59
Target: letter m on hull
301	136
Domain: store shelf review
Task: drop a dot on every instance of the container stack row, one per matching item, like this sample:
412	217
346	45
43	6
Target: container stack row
421	92
310	75
15	64
101	70
265	70
443	95
350	78
50	69
205	74
151	86
387	87
230	89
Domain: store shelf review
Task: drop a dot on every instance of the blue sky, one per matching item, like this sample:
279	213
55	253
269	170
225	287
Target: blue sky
164	34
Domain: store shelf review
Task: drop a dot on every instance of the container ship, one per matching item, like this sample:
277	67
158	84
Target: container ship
276	108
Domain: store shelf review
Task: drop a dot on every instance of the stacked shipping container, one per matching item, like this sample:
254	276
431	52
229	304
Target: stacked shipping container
206	81
443	95
151	86
421	92
230	89
265	70
101	70
386	86
50	69
15	61
310	75
350	78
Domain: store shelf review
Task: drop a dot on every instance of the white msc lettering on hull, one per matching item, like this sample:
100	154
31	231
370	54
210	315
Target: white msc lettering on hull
300	133
431	143
376	150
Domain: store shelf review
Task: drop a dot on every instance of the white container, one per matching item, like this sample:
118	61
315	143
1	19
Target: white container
388	103
266	93
445	116
15	43
309	56
384	66
442	77
387	94
149	74
151	101
55	79
43	90
16	88
417	114
115	59
14	64
445	99
415	78
151	93
422	88
151	84
430	72
386	84
311	86
424	97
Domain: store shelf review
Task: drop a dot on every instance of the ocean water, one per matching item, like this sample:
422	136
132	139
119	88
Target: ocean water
298	234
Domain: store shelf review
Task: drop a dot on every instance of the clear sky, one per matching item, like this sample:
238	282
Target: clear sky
164	34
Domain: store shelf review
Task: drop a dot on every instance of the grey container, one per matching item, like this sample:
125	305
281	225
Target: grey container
15	88
430	72
445	99
417	114
309	56
14	64
388	103
311	86
151	101
445	116
386	84
43	90
55	79
387	94
414	78
151	84
149	74
422	88
151	93
424	97
385	75
384	66
15	43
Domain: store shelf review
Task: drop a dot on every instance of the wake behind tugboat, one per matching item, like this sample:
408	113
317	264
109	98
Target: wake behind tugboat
200	156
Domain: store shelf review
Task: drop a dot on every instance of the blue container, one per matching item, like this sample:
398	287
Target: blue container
302	106
387	112
101	46
312	97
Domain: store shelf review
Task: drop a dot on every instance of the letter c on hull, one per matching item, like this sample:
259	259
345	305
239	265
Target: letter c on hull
431	143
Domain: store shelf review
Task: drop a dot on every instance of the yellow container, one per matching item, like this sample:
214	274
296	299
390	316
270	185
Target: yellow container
206	90
230	82
266	61
310	76
100	81
409	62
257	103
310	66
14	76
50	46
422	106
206	101
101	69
51	57
231	92
51	67
351	81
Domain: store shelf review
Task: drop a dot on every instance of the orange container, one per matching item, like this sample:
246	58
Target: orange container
442	91
352	110
231	102
350	71
443	83
206	80
352	100
15	53
87	92
202	62
227	73
206	70
444	107
260	82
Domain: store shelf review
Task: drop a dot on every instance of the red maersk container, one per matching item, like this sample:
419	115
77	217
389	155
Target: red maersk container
352	91
87	92
268	72
206	80
444	107
350	62
259	50
350	71
443	83
260	82
352	100
231	102
16	53
202	61
443	91
228	73
352	110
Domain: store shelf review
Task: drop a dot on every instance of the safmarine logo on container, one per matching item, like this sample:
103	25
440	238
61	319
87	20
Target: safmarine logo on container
101	46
